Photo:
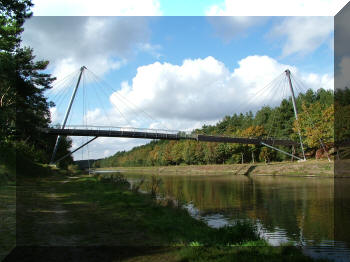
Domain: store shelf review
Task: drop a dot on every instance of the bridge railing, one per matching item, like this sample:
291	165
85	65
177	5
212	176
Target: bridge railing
249	137
181	134
127	129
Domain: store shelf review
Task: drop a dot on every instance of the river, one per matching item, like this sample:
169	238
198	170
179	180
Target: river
310	212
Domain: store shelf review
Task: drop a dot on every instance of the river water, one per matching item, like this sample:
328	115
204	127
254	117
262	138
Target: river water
311	212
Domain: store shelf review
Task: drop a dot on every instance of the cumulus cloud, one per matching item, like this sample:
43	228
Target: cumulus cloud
100	43
202	90
276	7
303	34
92	8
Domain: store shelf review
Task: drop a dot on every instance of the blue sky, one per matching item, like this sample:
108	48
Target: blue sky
183	71
185	7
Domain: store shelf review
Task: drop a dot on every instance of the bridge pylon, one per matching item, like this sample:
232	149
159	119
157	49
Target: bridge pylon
295	110
67	114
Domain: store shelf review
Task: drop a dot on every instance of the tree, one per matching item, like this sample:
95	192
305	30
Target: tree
12	18
316	124
24	107
253	131
176	152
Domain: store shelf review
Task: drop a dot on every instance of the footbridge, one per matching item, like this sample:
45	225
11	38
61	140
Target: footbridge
99	131
86	130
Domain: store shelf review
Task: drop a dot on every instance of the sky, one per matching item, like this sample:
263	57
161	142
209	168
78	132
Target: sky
157	64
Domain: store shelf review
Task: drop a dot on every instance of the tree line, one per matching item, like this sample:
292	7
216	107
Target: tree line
316	122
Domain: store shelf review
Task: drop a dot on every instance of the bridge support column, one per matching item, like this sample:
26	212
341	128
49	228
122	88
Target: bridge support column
295	109
67	113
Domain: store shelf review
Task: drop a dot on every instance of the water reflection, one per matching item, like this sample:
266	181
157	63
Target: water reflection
285	209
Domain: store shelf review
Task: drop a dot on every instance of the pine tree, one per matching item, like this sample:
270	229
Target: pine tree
23	106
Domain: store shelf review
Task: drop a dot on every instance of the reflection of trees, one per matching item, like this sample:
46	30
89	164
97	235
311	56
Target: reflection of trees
302	207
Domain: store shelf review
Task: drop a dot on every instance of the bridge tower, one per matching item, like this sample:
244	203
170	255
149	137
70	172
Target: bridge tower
295	109
67	113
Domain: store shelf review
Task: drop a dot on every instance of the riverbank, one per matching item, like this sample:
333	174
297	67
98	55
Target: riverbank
81	211
321	168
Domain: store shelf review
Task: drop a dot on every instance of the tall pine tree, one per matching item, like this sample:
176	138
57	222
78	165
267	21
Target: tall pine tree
23	106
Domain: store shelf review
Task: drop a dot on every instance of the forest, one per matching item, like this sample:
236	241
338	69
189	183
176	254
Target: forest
316	123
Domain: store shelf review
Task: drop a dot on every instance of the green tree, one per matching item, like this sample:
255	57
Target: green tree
316	124
24	108
177	153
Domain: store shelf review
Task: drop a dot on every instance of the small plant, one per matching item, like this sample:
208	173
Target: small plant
154	185
115	179
136	186
195	244
328	167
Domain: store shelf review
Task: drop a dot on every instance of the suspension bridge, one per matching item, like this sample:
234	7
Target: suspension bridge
146	133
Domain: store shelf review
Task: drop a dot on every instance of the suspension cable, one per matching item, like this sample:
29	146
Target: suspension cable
127	100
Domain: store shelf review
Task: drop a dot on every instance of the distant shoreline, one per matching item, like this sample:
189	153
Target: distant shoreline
310	168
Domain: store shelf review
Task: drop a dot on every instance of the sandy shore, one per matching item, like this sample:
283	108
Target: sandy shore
321	168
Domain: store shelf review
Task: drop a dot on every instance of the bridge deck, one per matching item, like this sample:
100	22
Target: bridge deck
166	136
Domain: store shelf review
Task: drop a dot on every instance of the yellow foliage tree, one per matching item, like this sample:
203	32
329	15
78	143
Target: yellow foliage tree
316	124
253	131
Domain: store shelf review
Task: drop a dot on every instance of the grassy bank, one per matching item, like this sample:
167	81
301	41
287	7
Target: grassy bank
308	168
105	213
62	210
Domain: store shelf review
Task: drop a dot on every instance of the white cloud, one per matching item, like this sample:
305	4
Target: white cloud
100	43
152	49
93	8
276	7
202	90
303	34
55	116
